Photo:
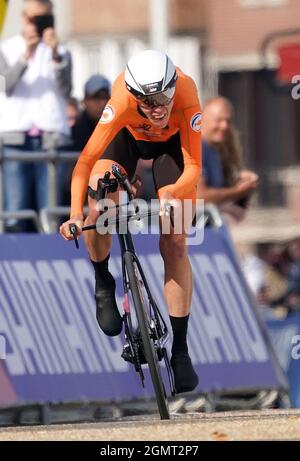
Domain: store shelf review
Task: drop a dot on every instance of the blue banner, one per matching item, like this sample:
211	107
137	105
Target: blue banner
55	350
285	337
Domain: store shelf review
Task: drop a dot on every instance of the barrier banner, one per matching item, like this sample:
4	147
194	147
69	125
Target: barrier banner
53	349
285	337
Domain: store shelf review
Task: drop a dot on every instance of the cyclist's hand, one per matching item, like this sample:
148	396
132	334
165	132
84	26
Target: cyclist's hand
65	231
167	200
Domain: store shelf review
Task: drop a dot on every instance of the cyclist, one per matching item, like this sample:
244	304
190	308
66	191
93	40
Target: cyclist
154	113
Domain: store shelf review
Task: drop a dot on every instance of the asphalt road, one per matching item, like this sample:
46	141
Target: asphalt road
254	425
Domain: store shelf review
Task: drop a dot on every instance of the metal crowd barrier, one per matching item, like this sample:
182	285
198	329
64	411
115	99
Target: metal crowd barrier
46	220
23	214
48	217
52	157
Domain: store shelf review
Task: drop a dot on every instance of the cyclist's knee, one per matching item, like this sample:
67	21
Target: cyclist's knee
98	173
94	213
99	170
173	247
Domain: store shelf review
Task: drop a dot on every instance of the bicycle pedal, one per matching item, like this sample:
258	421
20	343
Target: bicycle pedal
126	354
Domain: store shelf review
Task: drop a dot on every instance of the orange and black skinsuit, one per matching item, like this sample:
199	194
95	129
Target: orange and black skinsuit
124	134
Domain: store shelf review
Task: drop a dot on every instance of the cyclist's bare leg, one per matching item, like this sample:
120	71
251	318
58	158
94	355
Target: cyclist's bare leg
178	272
178	294
98	247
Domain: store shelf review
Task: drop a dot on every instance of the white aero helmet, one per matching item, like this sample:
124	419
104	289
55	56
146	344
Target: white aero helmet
151	77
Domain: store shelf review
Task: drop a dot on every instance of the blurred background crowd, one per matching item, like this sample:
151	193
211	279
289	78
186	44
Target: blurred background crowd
58	61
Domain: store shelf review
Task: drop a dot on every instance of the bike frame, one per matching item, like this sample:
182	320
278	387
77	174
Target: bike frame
157	331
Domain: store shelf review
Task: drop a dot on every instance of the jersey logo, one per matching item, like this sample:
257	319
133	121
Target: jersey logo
108	115
196	122
145	127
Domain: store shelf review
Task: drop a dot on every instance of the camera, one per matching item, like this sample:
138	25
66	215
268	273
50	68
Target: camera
43	22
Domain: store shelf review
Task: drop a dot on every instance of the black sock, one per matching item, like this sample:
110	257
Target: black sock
102	273
179	327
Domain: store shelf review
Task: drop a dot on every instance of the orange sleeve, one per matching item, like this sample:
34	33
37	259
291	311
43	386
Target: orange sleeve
111	122
191	144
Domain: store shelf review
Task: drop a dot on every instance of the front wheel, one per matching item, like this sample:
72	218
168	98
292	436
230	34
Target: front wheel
144	326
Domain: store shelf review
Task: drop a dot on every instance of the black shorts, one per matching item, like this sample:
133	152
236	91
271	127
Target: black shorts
167	156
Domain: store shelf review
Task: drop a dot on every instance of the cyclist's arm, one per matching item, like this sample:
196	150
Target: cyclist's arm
192	152
105	131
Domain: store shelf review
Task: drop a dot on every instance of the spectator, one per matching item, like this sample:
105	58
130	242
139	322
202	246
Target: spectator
264	280
254	269
291	296
224	182
73	111
37	70
96	95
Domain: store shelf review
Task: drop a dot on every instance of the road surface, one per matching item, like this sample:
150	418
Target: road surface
252	425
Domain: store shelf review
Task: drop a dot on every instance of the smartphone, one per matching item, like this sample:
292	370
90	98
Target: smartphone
43	22
243	202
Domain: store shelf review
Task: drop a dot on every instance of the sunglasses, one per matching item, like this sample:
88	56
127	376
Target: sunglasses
159	99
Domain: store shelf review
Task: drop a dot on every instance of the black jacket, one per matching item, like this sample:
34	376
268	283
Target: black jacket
82	131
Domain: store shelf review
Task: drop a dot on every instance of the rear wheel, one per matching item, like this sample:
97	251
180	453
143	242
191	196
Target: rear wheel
144	326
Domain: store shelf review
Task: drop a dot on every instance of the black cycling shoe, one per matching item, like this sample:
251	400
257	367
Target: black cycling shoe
185	377
107	312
